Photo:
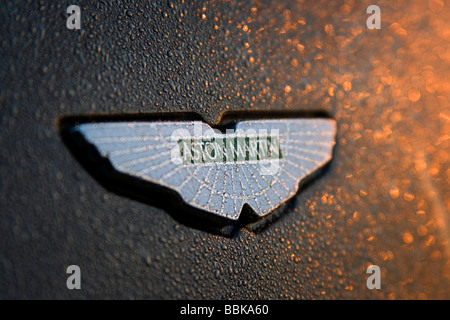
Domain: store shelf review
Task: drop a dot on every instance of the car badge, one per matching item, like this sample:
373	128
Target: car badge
256	162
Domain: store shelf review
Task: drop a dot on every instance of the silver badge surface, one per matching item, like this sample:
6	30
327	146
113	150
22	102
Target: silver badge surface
259	162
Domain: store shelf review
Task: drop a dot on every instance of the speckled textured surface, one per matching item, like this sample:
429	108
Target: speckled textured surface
383	200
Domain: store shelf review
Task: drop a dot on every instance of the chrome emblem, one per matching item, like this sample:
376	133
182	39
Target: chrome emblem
258	162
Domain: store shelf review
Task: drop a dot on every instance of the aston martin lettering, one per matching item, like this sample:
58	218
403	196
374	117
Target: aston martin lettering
230	149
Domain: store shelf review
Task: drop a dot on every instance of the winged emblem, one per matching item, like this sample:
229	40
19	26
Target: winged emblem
258	162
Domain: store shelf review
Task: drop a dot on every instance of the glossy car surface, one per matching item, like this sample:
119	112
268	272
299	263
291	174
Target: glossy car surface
383	199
